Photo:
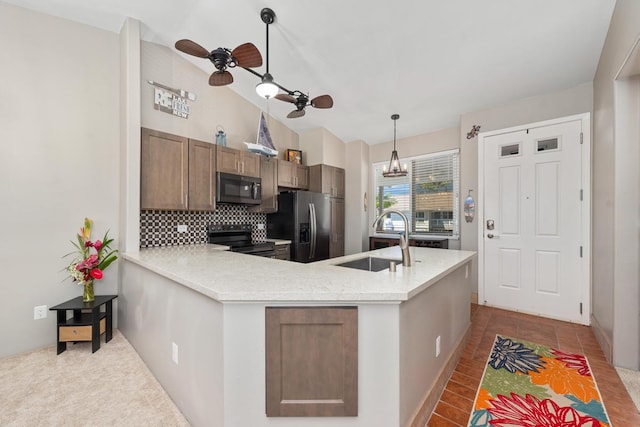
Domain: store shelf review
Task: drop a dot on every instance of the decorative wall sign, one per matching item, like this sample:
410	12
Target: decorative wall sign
172	101
473	132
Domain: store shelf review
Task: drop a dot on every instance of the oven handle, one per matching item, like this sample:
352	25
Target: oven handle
312	220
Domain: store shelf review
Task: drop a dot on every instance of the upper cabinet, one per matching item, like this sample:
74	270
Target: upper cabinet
238	162
202	175
176	173
293	175
164	167
269	179
327	179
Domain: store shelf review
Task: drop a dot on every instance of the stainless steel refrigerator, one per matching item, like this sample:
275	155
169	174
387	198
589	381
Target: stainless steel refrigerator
304	218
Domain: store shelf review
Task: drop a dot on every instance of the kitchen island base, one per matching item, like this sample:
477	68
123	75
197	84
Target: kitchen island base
221	377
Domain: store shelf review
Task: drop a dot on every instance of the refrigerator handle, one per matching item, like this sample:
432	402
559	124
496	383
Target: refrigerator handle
312	221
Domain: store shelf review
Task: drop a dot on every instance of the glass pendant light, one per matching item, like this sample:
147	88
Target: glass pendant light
394	169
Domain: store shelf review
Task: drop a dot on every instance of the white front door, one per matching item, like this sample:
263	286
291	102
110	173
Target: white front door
532	242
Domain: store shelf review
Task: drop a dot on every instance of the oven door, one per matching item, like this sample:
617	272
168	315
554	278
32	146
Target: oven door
238	189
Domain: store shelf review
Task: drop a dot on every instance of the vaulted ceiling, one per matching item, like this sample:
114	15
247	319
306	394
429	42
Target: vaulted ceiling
428	60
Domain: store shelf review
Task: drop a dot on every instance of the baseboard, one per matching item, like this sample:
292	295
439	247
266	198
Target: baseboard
474	297
603	339
422	415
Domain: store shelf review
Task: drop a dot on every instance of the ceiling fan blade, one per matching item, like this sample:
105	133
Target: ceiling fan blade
286	98
192	48
295	113
322	101
220	78
247	55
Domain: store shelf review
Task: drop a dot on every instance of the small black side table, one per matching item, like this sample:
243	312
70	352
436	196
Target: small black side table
87	325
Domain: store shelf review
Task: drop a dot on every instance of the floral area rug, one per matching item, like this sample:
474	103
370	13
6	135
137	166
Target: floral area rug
531	385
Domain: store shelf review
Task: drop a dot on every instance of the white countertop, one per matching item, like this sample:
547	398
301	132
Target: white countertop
233	277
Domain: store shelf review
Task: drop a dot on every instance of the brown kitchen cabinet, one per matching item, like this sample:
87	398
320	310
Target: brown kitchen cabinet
330	180
237	162
176	173
336	243
293	175
202	176
311	361
327	179
269	179
164	171
283	252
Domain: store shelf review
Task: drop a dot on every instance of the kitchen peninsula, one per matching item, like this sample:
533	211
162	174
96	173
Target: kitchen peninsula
196	316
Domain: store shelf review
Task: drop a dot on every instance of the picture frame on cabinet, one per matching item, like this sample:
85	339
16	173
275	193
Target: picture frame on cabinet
293	156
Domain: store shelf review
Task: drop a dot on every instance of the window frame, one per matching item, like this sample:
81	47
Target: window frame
409	160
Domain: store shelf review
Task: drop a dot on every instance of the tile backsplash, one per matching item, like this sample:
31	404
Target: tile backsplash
160	228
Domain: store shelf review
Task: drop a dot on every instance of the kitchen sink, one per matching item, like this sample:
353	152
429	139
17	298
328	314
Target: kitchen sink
370	263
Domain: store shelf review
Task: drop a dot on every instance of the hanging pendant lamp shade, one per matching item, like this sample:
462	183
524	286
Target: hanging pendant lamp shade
394	169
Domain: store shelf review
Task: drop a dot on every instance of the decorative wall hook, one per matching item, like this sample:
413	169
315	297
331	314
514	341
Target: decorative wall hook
474	131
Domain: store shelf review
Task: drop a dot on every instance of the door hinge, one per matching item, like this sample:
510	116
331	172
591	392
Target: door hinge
580	308
580	251
581	194
581	137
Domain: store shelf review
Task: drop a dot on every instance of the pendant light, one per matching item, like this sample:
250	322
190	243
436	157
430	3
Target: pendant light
394	169
267	88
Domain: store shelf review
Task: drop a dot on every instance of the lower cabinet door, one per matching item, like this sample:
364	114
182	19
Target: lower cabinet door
312	361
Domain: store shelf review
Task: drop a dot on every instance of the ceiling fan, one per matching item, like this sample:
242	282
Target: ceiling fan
301	100
268	88
246	56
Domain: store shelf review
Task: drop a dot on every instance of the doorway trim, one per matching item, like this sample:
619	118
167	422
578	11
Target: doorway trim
585	219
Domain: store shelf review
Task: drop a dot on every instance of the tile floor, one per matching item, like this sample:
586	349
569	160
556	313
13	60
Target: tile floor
456	401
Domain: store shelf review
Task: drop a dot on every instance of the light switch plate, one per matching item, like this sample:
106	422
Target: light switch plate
182	228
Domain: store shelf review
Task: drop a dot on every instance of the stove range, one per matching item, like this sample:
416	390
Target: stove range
238	238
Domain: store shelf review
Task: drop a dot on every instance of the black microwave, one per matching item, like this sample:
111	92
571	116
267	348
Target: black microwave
232	188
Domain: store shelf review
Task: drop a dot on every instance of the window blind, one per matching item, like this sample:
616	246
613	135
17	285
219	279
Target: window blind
428	195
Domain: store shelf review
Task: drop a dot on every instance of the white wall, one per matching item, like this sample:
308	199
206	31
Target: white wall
155	313
58	162
427	143
356	191
321	146
530	110
609	290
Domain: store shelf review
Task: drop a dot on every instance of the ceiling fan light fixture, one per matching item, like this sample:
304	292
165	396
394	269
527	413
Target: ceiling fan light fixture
394	169
267	88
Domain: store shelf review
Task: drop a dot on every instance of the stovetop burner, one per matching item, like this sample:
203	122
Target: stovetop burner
238	238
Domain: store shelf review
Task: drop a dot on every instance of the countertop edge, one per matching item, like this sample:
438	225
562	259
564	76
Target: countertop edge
338	294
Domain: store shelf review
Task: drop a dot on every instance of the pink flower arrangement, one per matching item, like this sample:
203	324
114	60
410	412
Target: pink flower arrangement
88	266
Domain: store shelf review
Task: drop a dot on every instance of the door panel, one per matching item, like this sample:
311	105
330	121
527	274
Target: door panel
532	181
510	200
547	200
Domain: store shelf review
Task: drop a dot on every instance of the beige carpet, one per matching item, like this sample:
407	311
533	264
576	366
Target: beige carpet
111	387
631	380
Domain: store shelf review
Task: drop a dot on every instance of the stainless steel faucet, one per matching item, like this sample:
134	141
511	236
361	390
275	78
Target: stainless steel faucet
404	241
